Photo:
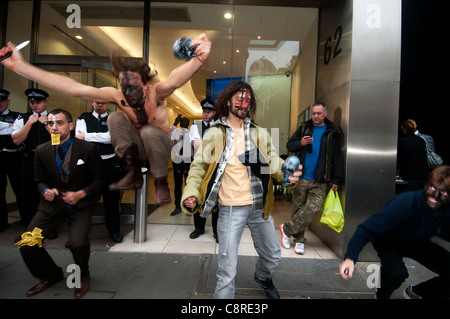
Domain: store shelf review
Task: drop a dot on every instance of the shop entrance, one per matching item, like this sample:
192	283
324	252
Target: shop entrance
273	48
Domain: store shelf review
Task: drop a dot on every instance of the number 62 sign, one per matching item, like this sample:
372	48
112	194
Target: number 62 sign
332	46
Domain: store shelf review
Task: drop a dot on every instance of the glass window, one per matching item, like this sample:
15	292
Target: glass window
17	31
91	28
77	106
258	44
58	100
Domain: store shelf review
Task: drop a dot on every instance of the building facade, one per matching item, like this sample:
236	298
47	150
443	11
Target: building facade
342	52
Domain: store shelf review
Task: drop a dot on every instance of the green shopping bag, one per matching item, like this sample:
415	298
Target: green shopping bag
332	214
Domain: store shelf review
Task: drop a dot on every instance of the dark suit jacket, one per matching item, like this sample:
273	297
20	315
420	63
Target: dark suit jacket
86	171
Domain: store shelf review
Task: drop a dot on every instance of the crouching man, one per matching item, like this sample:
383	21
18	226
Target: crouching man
404	228
69	176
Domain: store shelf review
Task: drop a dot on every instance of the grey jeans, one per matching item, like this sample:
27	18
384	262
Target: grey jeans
231	224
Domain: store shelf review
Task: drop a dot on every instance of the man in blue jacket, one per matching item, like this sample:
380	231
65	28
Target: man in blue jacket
404	228
317	144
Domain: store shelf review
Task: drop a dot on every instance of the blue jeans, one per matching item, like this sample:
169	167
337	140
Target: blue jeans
231	224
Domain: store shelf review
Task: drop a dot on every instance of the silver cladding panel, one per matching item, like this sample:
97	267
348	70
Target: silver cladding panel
361	88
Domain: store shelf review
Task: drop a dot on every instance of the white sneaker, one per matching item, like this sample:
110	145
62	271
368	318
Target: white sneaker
284	239
299	248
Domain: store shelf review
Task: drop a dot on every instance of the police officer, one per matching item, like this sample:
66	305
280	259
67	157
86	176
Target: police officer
181	158
28	132
92	127
9	158
196	133
199	128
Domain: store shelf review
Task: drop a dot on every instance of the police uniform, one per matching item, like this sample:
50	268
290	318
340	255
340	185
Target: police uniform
181	159
95	127
199	127
197	130
36	136
9	160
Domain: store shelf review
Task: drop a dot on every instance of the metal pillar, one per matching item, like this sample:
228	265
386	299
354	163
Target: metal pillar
141	210
358	77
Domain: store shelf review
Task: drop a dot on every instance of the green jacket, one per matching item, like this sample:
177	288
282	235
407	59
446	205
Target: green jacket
210	160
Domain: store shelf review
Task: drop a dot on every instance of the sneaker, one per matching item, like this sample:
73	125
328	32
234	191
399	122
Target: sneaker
284	239
409	294
299	248
269	288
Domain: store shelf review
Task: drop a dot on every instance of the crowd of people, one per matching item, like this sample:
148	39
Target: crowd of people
228	164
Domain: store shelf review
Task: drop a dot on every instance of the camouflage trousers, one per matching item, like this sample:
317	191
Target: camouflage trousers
307	199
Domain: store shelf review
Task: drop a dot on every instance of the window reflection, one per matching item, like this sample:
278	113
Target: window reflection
104	26
259	44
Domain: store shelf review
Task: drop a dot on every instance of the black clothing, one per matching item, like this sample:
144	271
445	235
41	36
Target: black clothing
37	135
404	228
329	164
412	160
9	167
85	173
111	198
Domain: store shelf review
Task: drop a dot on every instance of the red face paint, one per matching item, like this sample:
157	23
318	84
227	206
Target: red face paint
243	99
241	104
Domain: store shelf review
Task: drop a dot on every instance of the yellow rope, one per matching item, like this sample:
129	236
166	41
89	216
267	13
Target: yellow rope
31	238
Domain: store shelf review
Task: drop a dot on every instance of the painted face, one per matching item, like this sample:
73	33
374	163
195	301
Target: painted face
132	88
436	196
241	102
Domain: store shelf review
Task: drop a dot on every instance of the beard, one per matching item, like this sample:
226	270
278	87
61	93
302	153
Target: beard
239	112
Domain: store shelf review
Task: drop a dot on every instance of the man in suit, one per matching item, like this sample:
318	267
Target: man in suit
69	176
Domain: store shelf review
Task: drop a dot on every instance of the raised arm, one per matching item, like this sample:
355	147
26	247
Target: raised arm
62	84
184	72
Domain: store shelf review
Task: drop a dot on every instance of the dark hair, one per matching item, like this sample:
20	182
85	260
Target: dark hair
440	174
221	103
121	63
184	122
66	114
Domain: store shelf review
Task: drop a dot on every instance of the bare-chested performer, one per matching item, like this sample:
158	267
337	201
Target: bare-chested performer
142	130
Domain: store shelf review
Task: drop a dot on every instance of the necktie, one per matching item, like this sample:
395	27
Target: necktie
61	152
